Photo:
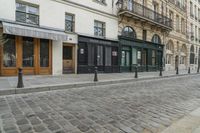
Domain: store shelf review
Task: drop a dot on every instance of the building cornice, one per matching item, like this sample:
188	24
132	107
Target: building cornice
86	8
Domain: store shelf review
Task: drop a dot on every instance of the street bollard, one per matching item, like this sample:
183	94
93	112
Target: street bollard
161	71
136	72
198	69
177	71
20	78
95	74
189	70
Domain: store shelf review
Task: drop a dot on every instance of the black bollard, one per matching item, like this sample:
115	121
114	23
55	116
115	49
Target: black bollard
198	69
20	78
161	71
136	72
189	70
95	74
177	71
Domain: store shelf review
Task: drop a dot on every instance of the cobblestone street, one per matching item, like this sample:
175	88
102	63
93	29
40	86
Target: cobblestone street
140	107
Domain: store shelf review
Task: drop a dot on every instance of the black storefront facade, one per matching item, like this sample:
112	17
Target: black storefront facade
147	56
98	52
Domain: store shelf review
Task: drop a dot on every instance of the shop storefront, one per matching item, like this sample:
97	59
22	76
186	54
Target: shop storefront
95	52
147	56
27	47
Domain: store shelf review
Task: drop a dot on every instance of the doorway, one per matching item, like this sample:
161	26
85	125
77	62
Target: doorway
176	62
68	59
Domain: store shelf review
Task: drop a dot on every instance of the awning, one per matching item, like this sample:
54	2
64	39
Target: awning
33	31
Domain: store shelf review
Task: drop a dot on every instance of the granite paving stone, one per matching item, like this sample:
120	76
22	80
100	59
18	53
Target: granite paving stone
134	107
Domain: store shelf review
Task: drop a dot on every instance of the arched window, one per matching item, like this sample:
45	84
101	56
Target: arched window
183	54
129	32
156	39
169	52
192	55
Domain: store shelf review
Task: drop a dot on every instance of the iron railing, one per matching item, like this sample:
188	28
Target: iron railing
143	11
178	4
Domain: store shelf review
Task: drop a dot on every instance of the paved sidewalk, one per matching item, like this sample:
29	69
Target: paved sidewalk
188	124
48	82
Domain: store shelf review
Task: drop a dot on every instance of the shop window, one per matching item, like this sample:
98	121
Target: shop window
108	58
82	55
114	56
156	39
9	52
99	28
129	32
139	57
69	22
27	13
192	55
153	57
44	53
28	52
91	55
125	56
134	56
99	55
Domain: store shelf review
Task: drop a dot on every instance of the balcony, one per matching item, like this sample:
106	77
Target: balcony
137	11
178	4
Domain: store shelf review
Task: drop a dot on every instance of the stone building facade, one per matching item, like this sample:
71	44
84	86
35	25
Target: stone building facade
193	13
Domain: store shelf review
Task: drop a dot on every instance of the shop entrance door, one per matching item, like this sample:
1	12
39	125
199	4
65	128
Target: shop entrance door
144	59
67	59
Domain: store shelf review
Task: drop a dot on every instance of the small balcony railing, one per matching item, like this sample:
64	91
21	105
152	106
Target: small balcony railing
144	12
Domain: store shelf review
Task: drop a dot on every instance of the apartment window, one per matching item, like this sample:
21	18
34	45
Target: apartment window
27	13
144	35
177	24
192	31
69	22
171	16
199	14
192	55
99	28
183	26
191	9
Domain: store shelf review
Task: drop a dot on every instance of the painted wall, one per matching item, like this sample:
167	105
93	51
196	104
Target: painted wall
57	57
52	14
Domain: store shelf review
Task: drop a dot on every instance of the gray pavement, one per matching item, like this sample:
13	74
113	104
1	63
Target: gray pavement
148	106
48	80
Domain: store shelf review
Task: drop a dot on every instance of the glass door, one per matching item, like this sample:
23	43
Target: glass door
126	59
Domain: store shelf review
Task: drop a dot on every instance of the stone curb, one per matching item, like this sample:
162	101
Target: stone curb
11	91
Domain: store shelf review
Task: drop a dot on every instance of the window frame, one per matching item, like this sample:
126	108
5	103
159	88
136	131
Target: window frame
103	28
70	21
27	13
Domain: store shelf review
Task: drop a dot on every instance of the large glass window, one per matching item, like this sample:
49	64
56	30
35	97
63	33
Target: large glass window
28	52
125	57
108	57
99	28
100	55
139	57
153	57
27	13
83	54
9	52
192	55
114	56
134	56
69	22
44	53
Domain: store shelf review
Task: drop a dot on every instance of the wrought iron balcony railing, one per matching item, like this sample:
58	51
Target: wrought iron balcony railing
134	8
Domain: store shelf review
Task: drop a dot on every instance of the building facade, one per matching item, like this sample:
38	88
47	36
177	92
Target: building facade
48	36
193	14
143	28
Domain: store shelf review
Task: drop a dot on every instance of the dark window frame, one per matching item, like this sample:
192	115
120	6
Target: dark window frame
102	28
71	22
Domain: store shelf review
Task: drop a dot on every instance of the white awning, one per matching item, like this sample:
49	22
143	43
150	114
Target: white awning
33	31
